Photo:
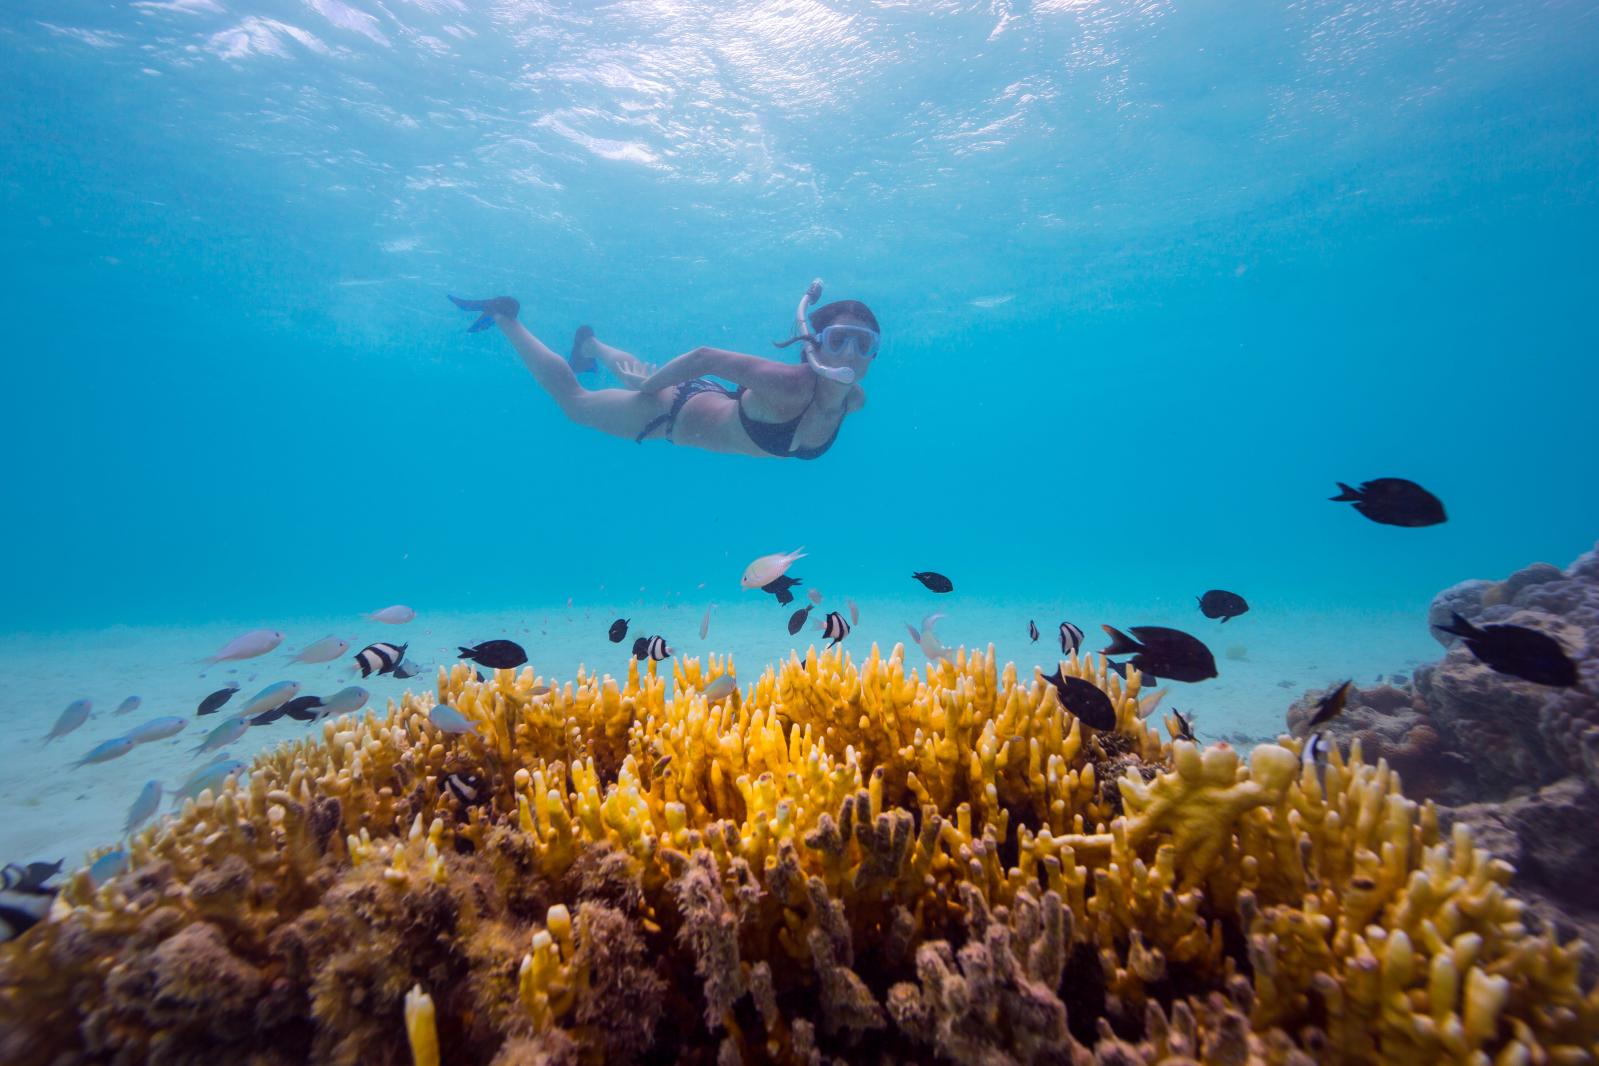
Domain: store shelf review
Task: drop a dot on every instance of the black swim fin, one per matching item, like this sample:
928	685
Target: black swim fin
500	305
580	363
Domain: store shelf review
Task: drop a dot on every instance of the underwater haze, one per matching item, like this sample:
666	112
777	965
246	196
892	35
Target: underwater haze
1152	278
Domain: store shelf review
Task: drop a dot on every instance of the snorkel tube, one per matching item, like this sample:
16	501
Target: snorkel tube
802	328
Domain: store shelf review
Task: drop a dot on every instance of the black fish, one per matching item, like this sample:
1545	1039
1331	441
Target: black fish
1218	603
934	582
1160	652
1517	651
467	787
1393	501
618	630
24	898
1329	706
301	708
796	621
779	587
835	628
268	717
29	878
213	703
496	654
1032	631
406	668
379	658
1185	728
641	648
1086	700
1071	638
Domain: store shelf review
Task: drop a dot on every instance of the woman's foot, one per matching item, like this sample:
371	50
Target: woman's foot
581	361
489	310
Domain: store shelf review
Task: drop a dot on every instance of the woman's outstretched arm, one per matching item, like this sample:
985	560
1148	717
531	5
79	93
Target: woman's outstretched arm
749	371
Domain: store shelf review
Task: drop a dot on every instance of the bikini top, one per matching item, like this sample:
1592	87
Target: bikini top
775	438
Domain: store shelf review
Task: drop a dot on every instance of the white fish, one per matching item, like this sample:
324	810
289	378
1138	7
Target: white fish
927	640
1147	704
128	706
158	729
270	698
705	623
815	596
247	646
768	568
148	803
325	650
447	719
397	615
76	714
854	612
212	775
344	701
114	748
226	733
721	688
108	866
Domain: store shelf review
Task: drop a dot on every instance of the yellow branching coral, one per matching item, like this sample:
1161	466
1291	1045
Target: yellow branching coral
840	860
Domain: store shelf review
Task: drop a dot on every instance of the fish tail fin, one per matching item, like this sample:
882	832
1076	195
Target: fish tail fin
1120	643
1120	668
465	652
1345	493
1226	618
1459	627
916	638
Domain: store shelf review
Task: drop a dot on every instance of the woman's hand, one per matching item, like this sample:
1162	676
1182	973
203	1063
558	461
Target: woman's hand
633	373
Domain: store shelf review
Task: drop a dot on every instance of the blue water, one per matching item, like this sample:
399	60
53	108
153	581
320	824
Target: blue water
1152	277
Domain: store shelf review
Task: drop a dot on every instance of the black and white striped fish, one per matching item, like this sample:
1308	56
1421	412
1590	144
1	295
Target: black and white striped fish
1185	726
834	628
379	658
24	897
467	787
1071	638
1032	630
652	648
1316	748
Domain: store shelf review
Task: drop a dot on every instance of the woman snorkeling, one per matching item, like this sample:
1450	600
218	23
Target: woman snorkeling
787	410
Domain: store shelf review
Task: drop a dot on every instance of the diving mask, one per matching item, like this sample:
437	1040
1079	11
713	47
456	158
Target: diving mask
838	341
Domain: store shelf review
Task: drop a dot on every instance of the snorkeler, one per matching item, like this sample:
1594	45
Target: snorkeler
782	409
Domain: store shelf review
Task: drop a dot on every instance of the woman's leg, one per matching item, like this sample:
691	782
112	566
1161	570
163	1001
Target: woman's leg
623	365
619	412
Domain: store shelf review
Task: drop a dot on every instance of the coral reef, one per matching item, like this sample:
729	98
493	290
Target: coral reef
1517	761
843	862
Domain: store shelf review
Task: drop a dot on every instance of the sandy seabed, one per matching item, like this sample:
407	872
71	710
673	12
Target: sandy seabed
53	811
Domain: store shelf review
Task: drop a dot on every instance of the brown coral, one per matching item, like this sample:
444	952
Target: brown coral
844	861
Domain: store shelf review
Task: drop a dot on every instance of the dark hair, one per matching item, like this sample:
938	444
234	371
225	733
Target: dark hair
827	314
